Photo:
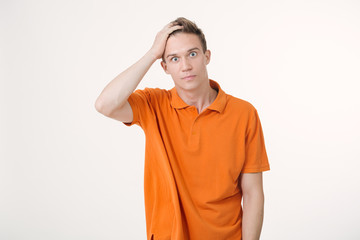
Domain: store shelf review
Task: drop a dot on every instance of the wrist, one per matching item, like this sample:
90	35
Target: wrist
152	55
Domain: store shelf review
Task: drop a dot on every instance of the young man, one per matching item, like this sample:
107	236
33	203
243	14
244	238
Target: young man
205	149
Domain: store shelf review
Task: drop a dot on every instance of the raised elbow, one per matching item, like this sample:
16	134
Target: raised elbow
100	107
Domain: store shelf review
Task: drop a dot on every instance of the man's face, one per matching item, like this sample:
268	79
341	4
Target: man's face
185	61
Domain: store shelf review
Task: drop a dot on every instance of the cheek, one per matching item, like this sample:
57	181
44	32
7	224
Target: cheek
171	69
200	64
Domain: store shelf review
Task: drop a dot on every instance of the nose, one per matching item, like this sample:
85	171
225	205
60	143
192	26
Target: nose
186	65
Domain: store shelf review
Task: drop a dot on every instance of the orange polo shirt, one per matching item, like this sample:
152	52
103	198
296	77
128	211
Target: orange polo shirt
193	163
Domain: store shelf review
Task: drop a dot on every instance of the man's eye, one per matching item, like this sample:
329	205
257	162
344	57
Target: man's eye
174	59
193	54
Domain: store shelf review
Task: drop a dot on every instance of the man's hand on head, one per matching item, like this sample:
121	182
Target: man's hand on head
159	44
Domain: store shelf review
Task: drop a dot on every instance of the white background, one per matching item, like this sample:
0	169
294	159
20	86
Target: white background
67	172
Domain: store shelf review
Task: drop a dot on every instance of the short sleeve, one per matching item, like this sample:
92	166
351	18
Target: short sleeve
142	110
256	159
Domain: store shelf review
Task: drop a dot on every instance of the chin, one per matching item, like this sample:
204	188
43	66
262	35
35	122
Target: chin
187	85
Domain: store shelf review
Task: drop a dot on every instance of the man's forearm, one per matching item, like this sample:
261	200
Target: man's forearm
253	212
116	93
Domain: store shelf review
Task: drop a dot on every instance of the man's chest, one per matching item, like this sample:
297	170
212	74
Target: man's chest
205	147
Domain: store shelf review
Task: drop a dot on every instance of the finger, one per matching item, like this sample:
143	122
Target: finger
174	28
174	23
171	24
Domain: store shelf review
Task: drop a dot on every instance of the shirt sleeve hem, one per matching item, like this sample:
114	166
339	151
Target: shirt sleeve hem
254	170
134	111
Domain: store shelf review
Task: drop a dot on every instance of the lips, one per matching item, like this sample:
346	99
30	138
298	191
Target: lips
190	77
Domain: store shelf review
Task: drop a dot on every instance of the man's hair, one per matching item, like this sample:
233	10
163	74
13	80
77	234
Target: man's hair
189	27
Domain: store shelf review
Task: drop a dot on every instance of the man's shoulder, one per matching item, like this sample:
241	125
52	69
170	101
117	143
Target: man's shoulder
239	103
153	91
154	95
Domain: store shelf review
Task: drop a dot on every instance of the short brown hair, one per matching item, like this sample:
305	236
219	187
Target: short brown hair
190	27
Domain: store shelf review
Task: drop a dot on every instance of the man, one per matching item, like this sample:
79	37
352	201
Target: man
205	149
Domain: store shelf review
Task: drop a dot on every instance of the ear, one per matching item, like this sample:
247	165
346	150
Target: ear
207	56
164	66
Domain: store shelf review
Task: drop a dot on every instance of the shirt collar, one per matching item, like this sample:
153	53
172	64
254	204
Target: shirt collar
218	104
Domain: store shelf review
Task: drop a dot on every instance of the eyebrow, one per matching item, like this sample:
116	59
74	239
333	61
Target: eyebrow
190	50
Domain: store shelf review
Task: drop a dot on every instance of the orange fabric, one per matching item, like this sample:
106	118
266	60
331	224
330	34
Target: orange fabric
193	162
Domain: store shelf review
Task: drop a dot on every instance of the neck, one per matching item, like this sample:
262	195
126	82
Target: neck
200	98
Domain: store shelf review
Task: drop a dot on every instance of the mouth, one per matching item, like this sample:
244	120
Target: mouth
190	77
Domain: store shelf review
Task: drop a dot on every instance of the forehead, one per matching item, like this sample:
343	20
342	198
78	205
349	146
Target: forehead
182	42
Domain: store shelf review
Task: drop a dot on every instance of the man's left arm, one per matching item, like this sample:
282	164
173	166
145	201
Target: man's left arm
253	205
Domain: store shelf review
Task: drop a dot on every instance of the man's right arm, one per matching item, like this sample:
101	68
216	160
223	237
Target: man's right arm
112	102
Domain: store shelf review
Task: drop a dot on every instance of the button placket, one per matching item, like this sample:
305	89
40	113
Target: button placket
194	136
